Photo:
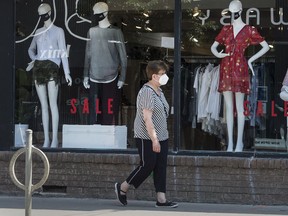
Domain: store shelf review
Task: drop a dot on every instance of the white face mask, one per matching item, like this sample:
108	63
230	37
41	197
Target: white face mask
163	79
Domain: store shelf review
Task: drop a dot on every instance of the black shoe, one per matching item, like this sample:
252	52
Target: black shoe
167	204
122	198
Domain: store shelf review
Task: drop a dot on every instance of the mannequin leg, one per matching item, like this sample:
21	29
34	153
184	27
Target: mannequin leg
42	94
110	91
228	99
240	120
93	96
53	95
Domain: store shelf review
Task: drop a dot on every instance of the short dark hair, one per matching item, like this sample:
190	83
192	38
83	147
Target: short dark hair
154	67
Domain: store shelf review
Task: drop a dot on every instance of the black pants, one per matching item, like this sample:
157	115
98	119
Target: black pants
107	94
150	162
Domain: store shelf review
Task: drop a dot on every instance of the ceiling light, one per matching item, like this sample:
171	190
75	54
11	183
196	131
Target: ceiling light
196	11
148	29
138	27
224	12
125	24
192	38
195	40
145	14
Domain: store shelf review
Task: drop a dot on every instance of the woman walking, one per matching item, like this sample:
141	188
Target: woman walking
151	136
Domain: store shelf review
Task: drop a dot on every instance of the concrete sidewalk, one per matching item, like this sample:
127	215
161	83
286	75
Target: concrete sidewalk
52	206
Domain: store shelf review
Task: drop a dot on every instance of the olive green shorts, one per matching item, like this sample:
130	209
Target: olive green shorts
45	71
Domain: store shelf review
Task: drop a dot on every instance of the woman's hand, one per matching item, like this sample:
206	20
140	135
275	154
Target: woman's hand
156	146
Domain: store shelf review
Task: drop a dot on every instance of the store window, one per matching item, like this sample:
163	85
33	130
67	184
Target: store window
205	116
54	100
146	31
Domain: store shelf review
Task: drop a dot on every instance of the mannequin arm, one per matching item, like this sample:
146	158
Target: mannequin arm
68	79
64	56
32	50
215	51
120	84
265	48
86	83
284	93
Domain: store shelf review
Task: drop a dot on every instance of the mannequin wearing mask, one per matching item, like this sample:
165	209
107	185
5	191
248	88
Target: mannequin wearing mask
105	54
234	75
46	50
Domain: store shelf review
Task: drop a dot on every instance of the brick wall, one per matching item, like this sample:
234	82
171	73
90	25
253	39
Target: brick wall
202	179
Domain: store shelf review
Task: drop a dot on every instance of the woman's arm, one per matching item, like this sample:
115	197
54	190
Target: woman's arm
147	115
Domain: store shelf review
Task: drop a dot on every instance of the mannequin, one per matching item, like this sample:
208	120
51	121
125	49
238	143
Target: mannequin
105	54
284	90
234	76
47	50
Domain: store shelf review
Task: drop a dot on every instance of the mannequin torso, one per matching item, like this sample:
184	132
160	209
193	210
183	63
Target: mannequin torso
238	25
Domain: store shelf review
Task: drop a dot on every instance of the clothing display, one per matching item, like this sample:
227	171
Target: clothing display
49	45
202	101
107	92
105	57
208	99
105	52
234	74
45	71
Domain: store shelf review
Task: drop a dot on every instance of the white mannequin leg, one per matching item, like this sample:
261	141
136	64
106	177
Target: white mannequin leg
240	120
53	95
42	94
228	99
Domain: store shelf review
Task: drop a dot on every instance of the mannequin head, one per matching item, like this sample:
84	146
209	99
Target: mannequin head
100	7
235	8
100	10
44	11
44	8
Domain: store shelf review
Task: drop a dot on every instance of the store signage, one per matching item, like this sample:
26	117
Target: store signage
84	106
260	109
251	13
266	143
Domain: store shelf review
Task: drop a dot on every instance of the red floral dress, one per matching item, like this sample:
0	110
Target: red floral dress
234	75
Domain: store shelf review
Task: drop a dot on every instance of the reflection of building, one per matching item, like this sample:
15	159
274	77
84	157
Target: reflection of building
143	26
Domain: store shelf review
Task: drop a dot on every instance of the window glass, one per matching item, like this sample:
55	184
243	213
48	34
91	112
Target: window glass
205	117
146	32
56	110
